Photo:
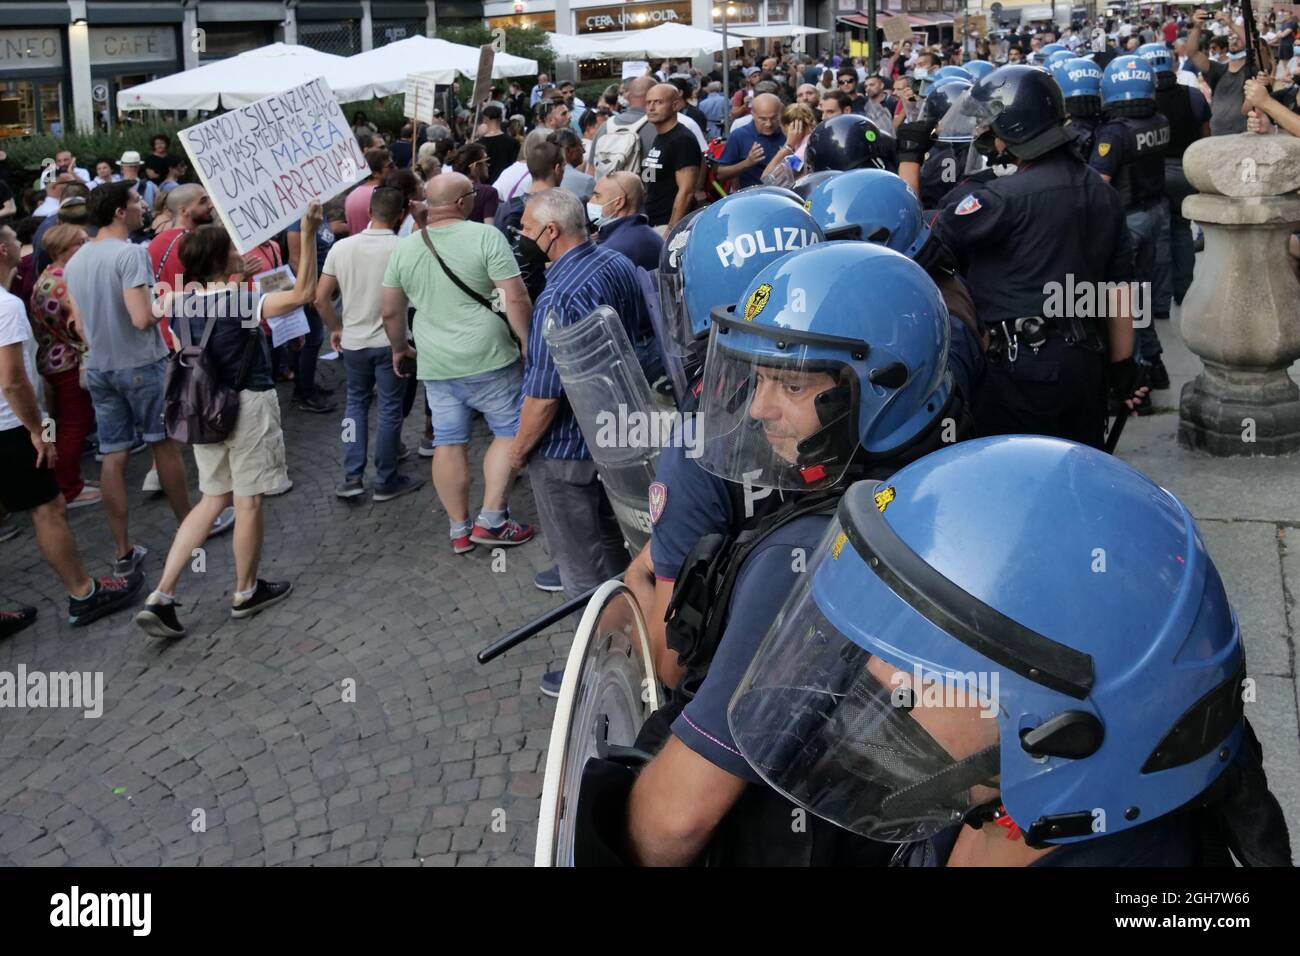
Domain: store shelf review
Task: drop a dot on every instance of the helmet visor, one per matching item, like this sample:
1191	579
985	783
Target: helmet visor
679	340
776	413
957	125
894	754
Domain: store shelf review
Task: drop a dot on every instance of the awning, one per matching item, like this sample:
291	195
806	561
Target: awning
383	70
860	21
667	41
775	30
569	47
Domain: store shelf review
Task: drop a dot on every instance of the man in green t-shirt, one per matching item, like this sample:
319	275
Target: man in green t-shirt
464	353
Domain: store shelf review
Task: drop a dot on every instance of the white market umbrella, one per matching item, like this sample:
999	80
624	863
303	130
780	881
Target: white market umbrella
569	47
235	81
668	41
383	70
787	30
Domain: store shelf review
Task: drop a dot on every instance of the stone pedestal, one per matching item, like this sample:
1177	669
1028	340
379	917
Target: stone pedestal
1241	315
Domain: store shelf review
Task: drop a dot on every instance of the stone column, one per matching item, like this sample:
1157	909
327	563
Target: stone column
1241	315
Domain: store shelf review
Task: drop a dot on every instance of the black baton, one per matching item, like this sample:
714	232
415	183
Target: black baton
537	625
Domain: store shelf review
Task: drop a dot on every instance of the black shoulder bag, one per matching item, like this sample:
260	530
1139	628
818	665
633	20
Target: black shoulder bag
456	281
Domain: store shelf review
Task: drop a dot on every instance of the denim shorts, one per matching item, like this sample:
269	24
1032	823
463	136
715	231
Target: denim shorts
128	401
498	395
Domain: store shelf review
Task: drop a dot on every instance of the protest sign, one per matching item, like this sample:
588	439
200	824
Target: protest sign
418	102
263	163
634	68
483	78
896	29
287	327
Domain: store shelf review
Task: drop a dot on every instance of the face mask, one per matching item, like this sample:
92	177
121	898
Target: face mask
596	214
1237	56
532	253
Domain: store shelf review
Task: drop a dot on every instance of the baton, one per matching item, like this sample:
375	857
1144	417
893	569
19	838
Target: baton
1116	429
537	625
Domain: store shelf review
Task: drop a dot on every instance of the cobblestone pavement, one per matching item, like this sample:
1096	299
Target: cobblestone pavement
247	722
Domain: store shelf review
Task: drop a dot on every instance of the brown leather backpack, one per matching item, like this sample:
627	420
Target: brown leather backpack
197	408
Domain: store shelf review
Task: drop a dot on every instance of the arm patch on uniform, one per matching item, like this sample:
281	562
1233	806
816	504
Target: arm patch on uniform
1103	149
658	499
967	206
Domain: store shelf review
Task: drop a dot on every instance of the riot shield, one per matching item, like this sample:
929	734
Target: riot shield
671	356
608	692
623	425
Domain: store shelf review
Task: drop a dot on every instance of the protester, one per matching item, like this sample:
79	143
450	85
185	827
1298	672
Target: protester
250	462
574	179
502	149
464	353
130	164
109	281
308	395
671	168
615	210
752	147
473	162
356	208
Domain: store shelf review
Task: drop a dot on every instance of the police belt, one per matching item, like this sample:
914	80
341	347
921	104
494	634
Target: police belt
1032	331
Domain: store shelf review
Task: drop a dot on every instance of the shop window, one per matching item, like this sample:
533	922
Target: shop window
340	37
28	107
384	32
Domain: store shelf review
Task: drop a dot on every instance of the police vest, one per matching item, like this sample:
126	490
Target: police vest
1175	105
1084	130
943	170
1141	178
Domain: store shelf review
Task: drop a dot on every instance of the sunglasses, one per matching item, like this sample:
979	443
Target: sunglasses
847	80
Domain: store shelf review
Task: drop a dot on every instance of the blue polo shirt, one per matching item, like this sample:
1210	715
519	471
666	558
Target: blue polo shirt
582	279
633	236
740	142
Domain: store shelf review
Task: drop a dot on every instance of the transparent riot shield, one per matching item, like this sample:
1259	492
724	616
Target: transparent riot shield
620	420
609	690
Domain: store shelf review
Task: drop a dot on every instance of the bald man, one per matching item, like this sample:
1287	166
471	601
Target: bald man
615	209
671	168
633	117
751	147
190	208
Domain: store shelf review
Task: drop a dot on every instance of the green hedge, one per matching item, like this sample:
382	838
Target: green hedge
26	153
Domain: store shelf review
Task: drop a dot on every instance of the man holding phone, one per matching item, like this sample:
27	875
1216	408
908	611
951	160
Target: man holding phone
1227	81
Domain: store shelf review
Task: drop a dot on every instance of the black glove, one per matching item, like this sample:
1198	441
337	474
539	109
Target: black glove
1126	377
914	141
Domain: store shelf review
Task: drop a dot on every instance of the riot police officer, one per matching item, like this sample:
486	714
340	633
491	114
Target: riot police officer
1129	152
1080	82
850	141
832	365
1020	238
1189	120
931	152
914	690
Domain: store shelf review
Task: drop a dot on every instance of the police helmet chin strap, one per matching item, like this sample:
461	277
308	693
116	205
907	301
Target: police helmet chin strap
833	442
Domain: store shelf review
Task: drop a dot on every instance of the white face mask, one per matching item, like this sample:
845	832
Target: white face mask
596	214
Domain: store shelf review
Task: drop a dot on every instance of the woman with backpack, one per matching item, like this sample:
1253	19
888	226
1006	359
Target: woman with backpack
247	461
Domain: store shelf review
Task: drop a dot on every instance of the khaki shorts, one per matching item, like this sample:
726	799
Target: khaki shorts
251	461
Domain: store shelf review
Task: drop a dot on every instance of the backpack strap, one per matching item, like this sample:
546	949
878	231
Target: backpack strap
162	263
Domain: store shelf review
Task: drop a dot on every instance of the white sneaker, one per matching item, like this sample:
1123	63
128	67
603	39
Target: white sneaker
151	482
225	521
284	488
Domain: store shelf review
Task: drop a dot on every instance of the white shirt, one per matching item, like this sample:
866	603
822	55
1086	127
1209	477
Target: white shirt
513	181
694	127
358	263
14	328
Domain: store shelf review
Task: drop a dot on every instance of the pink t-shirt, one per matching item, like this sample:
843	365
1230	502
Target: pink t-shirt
356	208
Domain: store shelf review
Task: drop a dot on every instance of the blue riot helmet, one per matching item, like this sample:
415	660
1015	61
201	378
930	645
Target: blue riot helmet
1080	82
872	205
1161	59
1036	58
805	186
949	72
937	107
834	356
850	141
1060	56
725	246
978	69
1022	106
1048	49
1128	82
912	681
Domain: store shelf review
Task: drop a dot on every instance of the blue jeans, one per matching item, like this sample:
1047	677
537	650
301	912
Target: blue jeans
128	402
365	368
1143	229
304	382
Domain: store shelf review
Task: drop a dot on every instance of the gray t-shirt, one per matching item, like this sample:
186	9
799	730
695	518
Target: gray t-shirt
96	277
579	183
1228	92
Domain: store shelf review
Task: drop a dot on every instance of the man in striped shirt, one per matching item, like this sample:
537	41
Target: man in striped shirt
584	538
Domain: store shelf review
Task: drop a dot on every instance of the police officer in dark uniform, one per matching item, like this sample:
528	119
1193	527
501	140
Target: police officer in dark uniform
932	151
1189	120
1024	242
850	141
1080	82
1129	152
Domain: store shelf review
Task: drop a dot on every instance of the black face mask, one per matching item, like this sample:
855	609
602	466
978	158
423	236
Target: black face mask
531	252
986	145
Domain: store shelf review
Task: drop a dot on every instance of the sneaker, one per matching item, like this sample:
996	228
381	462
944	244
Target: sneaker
350	488
462	545
316	404
400	486
1158	376
508	535
131	563
266	594
551	683
11	622
225	521
151	483
548	580
108	595
88	496
403	451
282	490
160	620
426	448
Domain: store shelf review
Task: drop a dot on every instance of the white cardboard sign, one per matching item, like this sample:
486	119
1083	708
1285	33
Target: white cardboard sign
263	163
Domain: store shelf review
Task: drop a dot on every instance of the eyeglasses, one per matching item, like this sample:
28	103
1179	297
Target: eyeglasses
847	80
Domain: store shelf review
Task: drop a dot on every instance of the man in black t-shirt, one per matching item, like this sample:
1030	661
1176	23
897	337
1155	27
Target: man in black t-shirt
502	149
671	167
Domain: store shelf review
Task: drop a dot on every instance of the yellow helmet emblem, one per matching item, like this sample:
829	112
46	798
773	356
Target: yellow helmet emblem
883	498
757	301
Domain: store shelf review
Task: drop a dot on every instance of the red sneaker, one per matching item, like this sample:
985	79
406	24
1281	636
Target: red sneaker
507	536
462	544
